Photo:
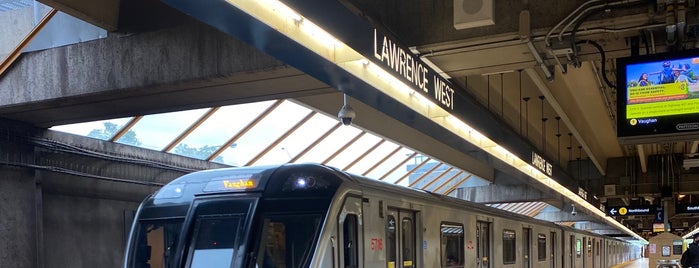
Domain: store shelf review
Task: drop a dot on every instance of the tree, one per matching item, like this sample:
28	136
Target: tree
108	132
199	153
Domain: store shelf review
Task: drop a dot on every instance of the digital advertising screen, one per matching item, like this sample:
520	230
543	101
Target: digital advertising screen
658	95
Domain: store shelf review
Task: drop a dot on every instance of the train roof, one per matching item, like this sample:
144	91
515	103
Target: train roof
184	189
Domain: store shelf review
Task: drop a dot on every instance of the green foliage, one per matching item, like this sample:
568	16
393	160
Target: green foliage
130	138
108	132
199	153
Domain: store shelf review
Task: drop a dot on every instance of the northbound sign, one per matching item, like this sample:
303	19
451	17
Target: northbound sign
630	210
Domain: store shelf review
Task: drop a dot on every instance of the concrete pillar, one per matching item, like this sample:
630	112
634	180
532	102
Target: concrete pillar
17	217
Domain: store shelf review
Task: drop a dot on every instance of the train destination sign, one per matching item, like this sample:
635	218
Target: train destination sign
630	210
412	70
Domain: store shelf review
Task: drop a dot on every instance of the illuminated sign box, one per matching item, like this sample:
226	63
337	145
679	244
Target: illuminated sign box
658	227
232	184
658	97
631	210
686	208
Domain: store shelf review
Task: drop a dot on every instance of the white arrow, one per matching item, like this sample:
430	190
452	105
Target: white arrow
612	211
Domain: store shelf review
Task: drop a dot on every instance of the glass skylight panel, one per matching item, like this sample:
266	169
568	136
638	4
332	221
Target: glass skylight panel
372	158
218	129
391	163
298	141
357	149
103	129
157	130
18	19
449	179
267	131
330	145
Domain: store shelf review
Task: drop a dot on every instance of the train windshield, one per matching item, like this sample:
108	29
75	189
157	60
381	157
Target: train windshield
156	243
214	244
287	240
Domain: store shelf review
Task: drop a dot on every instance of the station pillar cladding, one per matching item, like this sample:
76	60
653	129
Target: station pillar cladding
664	247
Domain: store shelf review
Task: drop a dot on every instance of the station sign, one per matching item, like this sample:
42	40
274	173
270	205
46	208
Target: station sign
541	164
686	208
412	70
630	210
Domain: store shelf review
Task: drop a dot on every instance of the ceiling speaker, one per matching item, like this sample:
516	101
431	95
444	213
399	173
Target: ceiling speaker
472	13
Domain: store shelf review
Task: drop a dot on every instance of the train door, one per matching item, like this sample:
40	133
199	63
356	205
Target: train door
573	251
595	253
586	253
483	244
553	250
401	242
563	249
350	234
600	248
527	240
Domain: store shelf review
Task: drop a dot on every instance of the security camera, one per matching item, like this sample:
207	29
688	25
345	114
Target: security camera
572	212
346	113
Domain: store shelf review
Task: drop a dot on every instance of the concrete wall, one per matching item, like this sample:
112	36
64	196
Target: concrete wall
17	217
89	234
66	201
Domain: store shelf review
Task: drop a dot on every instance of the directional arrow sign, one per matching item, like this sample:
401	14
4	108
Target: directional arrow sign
631	210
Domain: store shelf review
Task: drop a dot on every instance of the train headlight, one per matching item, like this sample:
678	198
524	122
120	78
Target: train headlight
303	182
171	191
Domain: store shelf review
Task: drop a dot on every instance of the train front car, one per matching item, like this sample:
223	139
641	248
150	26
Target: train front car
236	217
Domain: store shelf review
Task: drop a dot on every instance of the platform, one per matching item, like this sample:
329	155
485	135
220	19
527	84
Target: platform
638	263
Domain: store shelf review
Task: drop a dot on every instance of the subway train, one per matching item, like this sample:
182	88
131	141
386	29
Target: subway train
309	215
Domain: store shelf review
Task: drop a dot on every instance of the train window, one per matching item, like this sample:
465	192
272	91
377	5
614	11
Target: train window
578	248
541	247
156	242
509	247
214	242
452	245
390	241
286	240
408	242
589	247
350	237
